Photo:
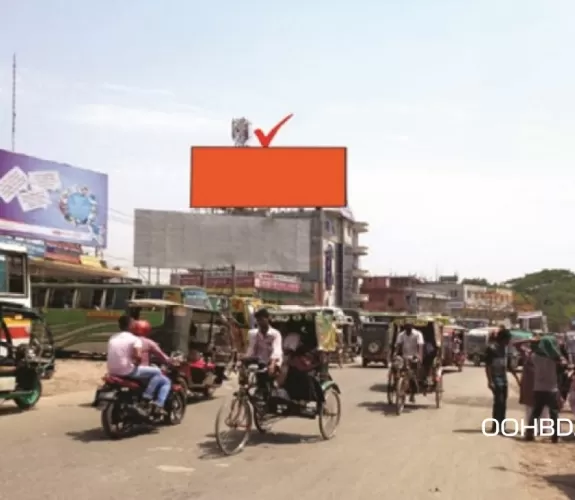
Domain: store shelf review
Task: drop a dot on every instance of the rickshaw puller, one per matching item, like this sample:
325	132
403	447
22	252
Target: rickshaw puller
410	345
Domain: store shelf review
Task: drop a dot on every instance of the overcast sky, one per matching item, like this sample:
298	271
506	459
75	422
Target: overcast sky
458	115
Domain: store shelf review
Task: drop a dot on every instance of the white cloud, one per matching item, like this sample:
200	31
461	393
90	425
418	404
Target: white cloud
139	119
126	89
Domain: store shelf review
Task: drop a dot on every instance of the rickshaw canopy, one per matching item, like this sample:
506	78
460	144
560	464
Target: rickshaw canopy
316	328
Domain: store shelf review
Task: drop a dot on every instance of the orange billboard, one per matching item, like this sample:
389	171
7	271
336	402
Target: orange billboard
282	177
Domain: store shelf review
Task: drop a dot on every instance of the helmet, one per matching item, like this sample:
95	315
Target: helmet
141	328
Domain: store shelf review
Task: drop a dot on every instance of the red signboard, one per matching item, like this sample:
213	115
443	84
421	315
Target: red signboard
223	279
62	257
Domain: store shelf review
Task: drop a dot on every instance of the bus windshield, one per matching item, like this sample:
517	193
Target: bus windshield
12	274
196	297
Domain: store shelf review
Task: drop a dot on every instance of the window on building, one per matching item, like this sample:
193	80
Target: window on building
453	294
390	303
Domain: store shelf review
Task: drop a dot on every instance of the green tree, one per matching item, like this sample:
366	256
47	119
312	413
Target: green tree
551	291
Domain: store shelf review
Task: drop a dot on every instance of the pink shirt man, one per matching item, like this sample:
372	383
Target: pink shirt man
151	349
121	348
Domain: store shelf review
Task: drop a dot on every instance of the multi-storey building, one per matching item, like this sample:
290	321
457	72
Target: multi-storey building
402	294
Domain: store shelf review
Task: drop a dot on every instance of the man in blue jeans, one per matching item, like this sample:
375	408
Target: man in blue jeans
124	360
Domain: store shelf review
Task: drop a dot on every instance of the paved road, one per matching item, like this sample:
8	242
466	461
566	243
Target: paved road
57	452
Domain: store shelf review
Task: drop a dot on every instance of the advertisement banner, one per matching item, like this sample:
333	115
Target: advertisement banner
277	282
35	249
168	239
90	261
41	199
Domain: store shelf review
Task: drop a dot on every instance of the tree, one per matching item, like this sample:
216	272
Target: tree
476	281
551	291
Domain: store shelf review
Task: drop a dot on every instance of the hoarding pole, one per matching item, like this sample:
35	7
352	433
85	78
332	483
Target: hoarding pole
14	102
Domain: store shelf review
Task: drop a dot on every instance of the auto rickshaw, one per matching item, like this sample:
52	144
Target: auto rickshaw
376	339
429	375
202	336
476	341
453	346
308	390
23	366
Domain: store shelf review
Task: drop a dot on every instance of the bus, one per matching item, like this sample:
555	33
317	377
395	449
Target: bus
15	288
82	316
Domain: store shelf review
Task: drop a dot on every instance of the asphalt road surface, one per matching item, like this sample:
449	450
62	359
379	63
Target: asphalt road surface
58	452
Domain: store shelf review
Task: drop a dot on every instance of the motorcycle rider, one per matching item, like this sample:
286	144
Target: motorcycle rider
124	359
409	345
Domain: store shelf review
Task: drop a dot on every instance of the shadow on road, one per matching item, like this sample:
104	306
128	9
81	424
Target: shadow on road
97	434
563	482
389	410
209	448
10	410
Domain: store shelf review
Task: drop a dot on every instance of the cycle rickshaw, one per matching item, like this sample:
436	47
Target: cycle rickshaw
429	376
309	391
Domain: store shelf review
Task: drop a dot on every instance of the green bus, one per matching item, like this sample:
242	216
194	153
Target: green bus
83	316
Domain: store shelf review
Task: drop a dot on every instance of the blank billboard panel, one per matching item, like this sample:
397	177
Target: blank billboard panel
168	239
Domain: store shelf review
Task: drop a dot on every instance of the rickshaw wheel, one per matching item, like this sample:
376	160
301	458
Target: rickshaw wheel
400	395
390	389
326	413
28	402
237	416
260	423
438	392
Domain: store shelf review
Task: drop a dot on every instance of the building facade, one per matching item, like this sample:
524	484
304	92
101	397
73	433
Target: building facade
402	294
475	301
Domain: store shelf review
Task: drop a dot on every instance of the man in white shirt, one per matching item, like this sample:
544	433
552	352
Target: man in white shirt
409	344
265	342
123	360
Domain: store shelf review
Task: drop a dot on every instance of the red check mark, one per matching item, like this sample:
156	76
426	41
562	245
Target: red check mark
266	139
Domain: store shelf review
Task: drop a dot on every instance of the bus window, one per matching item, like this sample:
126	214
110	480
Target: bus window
61	298
140	293
12	274
109	299
39	296
121	296
155	293
90	298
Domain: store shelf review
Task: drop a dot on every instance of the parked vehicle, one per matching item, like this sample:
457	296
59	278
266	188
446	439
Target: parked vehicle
23	366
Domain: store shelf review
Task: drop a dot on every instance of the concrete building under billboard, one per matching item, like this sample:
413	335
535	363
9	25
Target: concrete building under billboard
319	246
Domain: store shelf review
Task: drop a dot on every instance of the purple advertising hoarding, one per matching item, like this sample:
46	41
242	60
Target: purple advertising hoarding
44	200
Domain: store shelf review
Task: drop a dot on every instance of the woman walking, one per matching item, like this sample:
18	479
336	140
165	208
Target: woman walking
546	357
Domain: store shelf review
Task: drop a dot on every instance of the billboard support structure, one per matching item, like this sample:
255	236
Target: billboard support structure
240	136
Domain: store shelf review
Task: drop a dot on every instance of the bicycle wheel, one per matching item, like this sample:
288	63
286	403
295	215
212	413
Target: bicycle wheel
233	425
330	414
438	392
400	395
390	388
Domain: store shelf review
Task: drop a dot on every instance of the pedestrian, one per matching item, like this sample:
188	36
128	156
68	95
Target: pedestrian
546	357
497	364
526	387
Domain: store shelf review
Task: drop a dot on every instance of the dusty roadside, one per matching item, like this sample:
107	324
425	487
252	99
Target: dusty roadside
548	469
73	376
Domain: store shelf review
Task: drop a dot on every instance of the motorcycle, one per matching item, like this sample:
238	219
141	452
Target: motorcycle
123	409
